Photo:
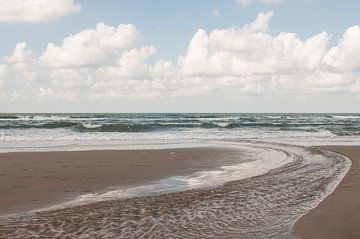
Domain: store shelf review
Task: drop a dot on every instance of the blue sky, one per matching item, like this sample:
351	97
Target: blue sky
169	26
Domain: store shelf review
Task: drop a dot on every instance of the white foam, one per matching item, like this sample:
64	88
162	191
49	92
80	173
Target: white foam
346	116
89	125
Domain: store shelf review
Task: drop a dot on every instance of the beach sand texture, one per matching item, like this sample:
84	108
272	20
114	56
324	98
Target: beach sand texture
338	216
38	179
239	206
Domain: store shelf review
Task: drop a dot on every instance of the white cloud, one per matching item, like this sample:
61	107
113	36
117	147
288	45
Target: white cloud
3	73
108	62
345	56
216	12
22	63
84	61
103	45
251	51
36	10
245	3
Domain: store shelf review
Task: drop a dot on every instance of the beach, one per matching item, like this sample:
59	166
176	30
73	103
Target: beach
234	119
34	180
262	206
338	216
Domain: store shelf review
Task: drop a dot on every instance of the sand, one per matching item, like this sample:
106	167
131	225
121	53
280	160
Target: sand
338	216
35	180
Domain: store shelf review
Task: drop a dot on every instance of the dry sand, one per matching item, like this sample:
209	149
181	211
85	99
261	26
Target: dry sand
38	179
338	216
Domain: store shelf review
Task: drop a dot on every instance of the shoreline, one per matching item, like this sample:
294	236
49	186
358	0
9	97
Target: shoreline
338	215
55	177
36	180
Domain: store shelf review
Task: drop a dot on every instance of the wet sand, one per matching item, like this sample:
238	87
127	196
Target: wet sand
263	206
39	179
338	216
34	180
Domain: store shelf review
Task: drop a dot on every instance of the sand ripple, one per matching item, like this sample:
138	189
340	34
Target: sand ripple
260	207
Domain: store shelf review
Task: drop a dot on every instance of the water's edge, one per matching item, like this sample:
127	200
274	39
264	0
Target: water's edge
336	184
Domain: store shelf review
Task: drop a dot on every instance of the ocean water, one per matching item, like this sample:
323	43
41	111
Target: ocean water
37	132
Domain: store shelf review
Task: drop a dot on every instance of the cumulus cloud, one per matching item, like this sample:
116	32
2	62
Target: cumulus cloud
36	10
88	61
103	45
245	3
250	51
23	64
345	56
108	62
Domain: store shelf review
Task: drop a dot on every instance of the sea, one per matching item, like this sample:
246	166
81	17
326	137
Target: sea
84	131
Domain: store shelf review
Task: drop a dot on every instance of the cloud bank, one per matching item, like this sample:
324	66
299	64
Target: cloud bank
107	62
36	10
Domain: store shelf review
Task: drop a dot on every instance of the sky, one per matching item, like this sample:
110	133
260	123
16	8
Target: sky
179	56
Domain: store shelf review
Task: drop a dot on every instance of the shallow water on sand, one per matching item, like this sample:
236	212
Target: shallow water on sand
263	206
